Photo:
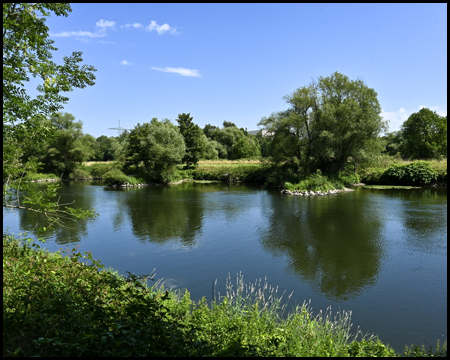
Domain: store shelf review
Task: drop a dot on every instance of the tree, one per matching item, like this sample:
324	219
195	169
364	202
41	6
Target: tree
68	147
329	122
236	144
425	135
208	130
158	145
27	50
227	124
192	139
394	141
104	149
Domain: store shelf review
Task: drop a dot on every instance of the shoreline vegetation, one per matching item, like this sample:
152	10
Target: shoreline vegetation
393	175
67	304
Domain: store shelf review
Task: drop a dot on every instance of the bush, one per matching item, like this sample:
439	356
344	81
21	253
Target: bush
117	177
98	170
415	173
79	173
316	182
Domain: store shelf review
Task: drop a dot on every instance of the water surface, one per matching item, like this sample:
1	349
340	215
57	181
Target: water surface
380	253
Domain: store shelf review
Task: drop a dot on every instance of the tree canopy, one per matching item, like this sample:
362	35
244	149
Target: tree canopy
27	51
424	135
328	122
192	135
158	145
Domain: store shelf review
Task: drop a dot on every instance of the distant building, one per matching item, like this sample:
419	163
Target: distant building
263	132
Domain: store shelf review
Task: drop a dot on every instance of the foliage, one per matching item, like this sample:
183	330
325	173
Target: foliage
416	173
79	174
210	151
104	150
69	147
117	177
394	142
56	305
317	182
329	122
158	145
98	170
235	144
425	135
192	135
27	50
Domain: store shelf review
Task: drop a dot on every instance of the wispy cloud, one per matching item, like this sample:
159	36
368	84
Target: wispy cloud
153	26
397	118
135	25
79	33
181	71
101	25
106	42
124	62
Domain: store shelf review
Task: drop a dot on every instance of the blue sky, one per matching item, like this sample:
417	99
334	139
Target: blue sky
235	62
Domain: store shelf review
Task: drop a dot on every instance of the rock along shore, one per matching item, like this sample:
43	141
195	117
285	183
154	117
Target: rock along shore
313	193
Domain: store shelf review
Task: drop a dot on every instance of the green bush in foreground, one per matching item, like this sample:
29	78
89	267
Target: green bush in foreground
56	305
416	173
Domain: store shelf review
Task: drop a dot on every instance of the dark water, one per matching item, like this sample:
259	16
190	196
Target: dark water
380	253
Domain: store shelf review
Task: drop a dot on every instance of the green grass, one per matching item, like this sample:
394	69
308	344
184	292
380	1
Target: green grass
67	304
385	187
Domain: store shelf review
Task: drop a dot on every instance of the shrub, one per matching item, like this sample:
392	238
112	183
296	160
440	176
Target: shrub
79	173
117	177
98	170
415	173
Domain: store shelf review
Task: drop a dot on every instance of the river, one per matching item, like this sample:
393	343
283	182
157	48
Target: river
380	253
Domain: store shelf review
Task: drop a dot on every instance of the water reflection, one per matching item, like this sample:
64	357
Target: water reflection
329	241
71	232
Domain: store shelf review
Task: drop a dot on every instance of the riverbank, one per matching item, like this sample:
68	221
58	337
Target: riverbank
269	175
67	304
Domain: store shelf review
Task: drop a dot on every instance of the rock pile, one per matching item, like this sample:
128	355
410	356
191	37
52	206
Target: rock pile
128	185
309	193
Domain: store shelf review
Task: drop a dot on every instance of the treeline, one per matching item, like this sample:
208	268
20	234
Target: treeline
332	126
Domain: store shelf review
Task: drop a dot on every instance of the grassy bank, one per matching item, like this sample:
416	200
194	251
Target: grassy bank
389	171
67	304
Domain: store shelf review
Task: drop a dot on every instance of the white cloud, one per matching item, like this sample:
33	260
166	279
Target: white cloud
181	71
78	33
106	42
161	29
397	118
103	24
124	62
135	25
101	32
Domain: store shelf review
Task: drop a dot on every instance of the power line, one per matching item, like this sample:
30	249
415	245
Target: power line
118	128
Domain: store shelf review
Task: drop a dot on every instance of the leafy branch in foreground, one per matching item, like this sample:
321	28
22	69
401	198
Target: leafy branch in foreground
27	51
19	194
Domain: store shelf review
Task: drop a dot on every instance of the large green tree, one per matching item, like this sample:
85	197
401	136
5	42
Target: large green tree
424	135
192	135
329	122
70	147
27	51
158	145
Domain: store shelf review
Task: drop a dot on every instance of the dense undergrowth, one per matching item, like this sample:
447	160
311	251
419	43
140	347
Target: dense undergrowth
67	304
270	175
